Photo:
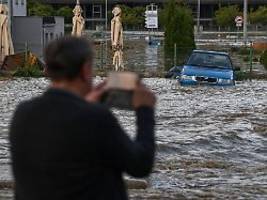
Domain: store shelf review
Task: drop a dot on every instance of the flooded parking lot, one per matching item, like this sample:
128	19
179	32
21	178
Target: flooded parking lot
212	142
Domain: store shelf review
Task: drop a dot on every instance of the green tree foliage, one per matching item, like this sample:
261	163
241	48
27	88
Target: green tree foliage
65	12
179	29
133	17
225	16
258	16
36	8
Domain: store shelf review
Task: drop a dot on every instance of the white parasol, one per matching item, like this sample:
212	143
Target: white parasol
6	43
77	20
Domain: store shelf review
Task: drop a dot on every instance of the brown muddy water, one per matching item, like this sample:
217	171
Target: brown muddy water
212	142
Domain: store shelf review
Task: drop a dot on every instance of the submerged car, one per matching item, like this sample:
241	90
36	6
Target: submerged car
208	67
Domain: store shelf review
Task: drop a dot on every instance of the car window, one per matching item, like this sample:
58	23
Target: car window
209	60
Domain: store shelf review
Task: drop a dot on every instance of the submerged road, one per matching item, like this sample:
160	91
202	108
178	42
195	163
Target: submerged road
212	142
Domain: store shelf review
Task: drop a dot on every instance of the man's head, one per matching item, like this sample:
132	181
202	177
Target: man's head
69	60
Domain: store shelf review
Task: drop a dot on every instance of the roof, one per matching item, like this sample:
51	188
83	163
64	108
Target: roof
211	52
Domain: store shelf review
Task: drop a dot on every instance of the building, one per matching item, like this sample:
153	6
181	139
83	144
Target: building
36	32
18	8
94	10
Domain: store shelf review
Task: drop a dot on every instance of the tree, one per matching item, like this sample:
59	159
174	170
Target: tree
225	16
36	8
179	30
258	16
133	17
65	12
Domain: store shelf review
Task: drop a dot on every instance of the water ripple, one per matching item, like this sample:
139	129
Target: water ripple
211	141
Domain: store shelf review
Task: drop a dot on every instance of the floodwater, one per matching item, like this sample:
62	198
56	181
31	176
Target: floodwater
138	56
212	142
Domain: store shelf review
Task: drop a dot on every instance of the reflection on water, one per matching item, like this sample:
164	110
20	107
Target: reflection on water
138	56
212	142
151	56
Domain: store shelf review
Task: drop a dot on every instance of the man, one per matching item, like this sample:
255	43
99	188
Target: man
67	146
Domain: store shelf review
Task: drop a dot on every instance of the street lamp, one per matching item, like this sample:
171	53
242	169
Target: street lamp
106	15
198	16
245	28
10	12
106	29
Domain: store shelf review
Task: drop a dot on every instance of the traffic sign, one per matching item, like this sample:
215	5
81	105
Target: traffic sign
151	17
239	21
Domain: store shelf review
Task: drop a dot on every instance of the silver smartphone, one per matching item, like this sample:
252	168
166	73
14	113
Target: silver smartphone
120	89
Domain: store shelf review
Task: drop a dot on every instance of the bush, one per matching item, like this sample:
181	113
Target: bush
258	16
240	76
244	51
29	71
246	59
264	59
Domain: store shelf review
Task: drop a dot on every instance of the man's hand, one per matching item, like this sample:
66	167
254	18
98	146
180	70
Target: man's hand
143	97
96	93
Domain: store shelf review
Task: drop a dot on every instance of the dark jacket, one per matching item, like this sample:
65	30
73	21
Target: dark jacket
64	148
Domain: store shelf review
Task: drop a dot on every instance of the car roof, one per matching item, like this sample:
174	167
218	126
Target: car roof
211	52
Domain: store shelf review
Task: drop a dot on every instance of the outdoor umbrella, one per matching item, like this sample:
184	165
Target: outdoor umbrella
78	20
5	35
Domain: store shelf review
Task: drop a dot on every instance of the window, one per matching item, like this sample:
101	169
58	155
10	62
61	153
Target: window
22	2
46	37
51	36
97	11
210	60
17	2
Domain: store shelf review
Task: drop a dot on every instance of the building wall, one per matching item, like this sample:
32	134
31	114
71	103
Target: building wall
59	28
35	33
19	8
28	30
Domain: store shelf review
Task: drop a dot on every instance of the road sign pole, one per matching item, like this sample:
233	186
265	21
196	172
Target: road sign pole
239	23
237	35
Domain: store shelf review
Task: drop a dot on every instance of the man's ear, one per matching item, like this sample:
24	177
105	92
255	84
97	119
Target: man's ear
86	71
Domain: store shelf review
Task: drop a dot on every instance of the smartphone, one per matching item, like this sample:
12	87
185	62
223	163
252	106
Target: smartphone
120	89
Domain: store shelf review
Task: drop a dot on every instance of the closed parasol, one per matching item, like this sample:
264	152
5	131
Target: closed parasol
6	43
77	20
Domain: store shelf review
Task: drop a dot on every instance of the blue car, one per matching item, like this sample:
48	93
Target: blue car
209	68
